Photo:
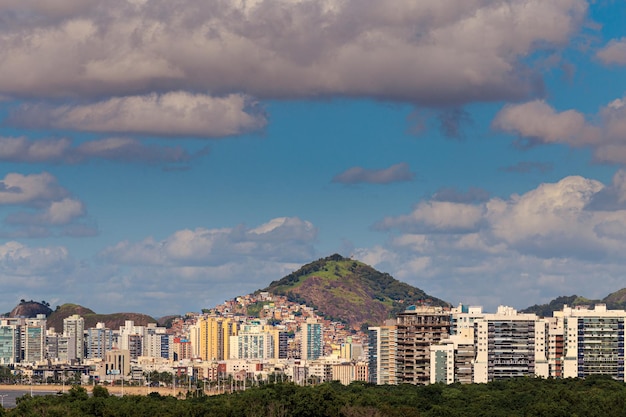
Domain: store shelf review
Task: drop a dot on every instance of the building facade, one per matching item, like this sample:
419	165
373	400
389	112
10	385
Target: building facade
593	341
383	354
74	330
311	346
419	327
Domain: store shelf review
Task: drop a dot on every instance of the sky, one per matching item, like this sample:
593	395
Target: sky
162	157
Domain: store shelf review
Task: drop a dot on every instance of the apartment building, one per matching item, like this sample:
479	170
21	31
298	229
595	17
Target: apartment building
311	346
418	328
252	342
213	335
510	344
593	341
9	342
99	339
383	354
74	330
33	339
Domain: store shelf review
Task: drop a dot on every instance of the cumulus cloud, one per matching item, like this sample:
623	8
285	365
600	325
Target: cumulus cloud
614	52
283	239
436	216
43	204
518	250
22	149
611	197
169	114
553	220
34	189
443	53
56	213
395	173
202	265
17	259
536	122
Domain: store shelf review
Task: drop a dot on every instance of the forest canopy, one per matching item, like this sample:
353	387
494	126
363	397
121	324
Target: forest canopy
593	396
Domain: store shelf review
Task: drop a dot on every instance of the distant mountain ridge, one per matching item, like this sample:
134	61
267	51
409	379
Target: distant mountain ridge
55	318
614	301
347	290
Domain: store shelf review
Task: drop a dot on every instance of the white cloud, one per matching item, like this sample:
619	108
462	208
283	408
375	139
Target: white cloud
437	216
536	119
559	238
170	114
47	205
23	150
17	259
433	53
30	189
280	240
204	266
64	211
614	52
538	122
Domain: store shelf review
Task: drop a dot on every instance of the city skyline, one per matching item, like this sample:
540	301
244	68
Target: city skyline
164	160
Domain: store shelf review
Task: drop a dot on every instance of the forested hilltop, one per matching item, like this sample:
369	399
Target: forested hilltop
614	301
348	290
594	396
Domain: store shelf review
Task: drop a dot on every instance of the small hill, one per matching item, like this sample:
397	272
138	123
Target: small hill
616	300
112	321
166	321
613	301
346	290
30	309
545	310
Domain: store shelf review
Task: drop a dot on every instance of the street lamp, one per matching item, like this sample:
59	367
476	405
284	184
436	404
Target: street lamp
2	398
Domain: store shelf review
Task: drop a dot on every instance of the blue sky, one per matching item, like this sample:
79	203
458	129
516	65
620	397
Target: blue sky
163	160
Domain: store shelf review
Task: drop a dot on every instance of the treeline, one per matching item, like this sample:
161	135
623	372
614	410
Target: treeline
593	396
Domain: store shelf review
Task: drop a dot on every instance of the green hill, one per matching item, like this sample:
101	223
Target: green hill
350	291
613	301
616	300
112	321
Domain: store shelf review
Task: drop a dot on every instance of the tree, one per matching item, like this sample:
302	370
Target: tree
78	393
100	392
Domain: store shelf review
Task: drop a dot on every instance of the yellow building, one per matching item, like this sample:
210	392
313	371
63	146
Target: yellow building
214	335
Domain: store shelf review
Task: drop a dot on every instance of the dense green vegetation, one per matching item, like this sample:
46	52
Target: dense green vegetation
613	301
545	310
594	396
254	309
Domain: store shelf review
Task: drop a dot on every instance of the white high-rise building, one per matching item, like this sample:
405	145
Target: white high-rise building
131	338
593	341
74	329
311	340
99	340
9	342
383	350
510	344
155	342
252	342
33	339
